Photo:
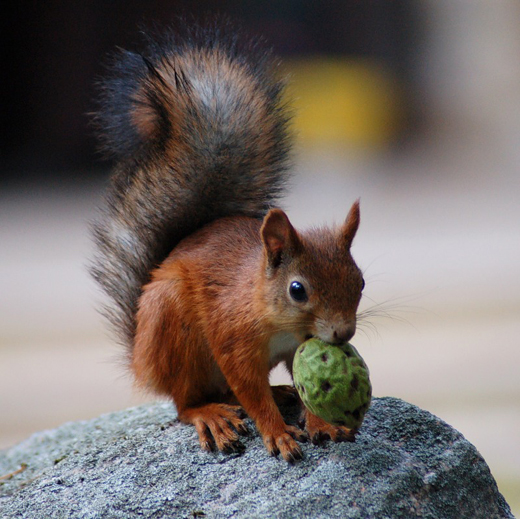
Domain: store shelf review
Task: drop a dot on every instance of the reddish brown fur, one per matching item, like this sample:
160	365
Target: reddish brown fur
205	321
200	131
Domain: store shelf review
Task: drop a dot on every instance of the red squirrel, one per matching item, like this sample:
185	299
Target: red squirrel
211	285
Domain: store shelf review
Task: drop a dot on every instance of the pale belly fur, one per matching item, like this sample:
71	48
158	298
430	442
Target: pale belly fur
280	346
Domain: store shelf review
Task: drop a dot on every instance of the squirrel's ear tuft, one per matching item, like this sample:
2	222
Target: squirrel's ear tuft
279	236
350	227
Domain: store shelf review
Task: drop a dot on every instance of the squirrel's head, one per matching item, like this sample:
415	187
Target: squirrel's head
313	285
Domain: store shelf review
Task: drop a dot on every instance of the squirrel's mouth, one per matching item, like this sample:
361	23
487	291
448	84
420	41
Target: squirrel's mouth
332	343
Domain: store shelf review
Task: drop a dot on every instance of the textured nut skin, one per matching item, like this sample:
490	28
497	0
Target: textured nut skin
333	382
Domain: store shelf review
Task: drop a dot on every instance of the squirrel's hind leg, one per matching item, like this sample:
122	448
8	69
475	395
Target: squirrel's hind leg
285	395
218	425
171	357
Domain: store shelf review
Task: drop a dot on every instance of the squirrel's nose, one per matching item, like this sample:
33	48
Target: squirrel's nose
344	333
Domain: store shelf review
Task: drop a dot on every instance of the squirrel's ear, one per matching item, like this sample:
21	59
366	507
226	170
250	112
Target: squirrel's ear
279	236
350	227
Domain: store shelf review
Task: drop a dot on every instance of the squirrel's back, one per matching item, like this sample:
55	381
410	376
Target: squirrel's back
198	129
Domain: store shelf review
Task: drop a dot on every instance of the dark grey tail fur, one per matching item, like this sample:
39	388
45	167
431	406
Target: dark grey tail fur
199	131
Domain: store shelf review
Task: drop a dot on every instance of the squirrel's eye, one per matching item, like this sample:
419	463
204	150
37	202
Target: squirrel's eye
297	291
362	284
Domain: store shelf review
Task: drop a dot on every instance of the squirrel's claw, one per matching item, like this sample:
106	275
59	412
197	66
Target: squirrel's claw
218	426
285	443
320	431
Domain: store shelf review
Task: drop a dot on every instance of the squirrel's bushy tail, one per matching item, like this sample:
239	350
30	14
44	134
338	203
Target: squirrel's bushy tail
198	129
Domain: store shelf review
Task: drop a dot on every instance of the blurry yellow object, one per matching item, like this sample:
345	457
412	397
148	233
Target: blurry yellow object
344	101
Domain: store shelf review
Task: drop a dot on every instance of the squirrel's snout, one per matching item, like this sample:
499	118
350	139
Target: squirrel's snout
335	331
343	333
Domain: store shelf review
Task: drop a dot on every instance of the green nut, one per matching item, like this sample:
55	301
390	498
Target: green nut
333	382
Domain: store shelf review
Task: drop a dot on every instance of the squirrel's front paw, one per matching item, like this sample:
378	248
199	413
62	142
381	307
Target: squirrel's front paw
284	443
319	430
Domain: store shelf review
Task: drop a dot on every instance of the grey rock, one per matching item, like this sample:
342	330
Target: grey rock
142	462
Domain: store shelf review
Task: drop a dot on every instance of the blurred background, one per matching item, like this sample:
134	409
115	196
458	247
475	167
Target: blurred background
412	105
